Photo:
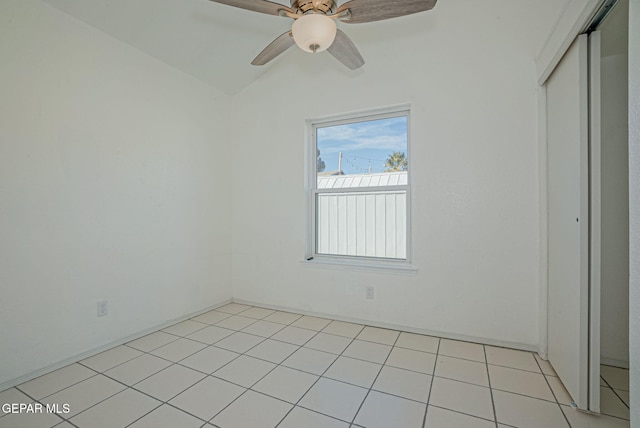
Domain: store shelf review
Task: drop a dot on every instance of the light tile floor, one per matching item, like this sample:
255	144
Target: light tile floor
249	367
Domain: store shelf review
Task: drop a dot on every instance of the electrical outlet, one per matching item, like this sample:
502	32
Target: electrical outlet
103	308
369	292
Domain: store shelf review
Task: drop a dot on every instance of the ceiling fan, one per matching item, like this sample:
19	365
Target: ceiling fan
315	30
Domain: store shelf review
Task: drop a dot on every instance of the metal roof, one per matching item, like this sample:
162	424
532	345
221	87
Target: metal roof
396	178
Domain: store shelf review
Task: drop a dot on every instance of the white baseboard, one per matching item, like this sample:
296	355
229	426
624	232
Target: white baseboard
445	335
74	359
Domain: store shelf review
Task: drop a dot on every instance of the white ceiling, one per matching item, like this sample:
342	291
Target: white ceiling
210	41
215	43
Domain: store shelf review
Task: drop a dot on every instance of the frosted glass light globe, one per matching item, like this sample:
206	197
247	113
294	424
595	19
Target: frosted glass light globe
314	32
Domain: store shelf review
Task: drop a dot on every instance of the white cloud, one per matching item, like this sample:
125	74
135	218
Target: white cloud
385	134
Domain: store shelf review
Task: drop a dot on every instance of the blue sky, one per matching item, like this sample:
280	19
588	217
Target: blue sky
362	144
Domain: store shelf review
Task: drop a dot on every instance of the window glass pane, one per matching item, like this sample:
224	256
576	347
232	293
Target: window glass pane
369	153
362	224
361	199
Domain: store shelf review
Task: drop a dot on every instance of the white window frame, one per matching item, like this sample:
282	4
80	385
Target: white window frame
320	260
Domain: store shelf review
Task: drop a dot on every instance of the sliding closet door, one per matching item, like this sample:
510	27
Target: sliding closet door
568	220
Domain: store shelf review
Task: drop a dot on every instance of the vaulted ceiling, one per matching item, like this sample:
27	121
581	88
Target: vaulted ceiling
215	43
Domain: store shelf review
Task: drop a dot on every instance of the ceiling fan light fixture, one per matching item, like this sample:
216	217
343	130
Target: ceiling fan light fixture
314	32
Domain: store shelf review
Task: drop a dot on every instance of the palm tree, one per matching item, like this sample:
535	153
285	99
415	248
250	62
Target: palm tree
320	165
396	161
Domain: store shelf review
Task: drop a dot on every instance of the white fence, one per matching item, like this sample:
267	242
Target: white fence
370	224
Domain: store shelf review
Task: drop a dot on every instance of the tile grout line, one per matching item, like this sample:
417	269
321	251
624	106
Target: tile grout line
150	351
113	395
38	401
205	325
282	327
153	374
521	394
238	356
323	375
275	366
608	386
62	389
68	419
142	392
376	378
433	376
165	402
280	364
69	422
338	355
615	392
464	413
297	404
119	364
206	376
189	387
493	403
153	349
620	398
553	393
353	339
246	388
162	402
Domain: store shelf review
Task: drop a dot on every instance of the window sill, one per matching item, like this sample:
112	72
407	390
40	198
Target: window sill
391	267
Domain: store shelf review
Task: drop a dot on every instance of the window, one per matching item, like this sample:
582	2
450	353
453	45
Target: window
359	187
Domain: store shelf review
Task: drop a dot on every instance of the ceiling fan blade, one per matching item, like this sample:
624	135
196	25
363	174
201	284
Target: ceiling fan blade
262	6
377	10
345	51
275	48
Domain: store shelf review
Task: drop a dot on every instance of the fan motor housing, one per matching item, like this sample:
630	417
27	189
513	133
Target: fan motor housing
327	7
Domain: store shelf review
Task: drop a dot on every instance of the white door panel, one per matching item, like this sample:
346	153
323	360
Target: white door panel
568	220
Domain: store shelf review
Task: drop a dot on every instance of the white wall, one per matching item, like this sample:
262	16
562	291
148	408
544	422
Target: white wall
468	72
112	186
615	187
634	208
615	211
